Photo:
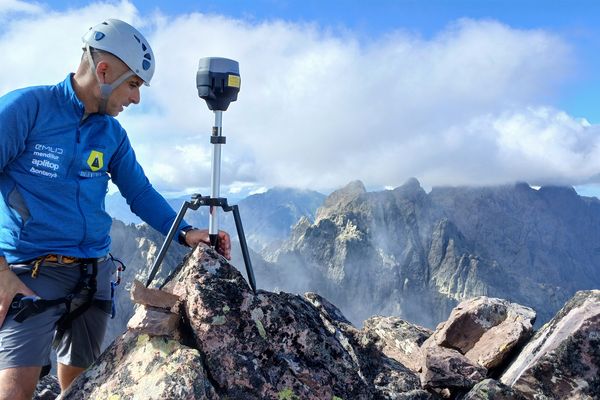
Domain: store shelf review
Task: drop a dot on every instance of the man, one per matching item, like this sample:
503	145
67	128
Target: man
59	146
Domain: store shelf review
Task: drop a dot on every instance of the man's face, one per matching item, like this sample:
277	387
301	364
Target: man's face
125	94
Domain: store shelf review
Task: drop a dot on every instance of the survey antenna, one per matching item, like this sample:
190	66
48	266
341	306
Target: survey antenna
218	82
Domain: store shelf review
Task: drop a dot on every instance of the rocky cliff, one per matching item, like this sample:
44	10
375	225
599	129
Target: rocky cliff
208	336
414	254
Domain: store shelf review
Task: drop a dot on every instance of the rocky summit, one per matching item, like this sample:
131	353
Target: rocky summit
211	337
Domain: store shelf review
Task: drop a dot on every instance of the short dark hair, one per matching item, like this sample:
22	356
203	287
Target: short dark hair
94	52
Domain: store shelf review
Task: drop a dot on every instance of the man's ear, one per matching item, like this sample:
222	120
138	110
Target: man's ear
101	69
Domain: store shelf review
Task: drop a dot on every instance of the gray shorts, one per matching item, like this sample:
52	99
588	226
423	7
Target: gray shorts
29	343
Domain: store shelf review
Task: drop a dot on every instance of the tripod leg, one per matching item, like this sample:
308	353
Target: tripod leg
167	242
244	246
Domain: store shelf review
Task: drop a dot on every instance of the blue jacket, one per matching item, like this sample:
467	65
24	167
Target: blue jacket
54	172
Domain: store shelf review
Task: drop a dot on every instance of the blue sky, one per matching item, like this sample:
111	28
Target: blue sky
577	20
450	92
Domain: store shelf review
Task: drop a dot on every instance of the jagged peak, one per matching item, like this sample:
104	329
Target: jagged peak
410	188
353	188
411	183
340	198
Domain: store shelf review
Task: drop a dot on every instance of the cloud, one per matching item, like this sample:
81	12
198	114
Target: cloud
319	108
17	6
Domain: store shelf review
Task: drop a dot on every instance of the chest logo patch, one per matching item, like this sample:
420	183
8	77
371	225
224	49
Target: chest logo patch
96	160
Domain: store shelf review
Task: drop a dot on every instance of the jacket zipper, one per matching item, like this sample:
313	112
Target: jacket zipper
76	157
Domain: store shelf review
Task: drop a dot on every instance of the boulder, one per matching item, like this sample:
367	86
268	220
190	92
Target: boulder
260	345
486	330
397	339
562	360
490	389
144	367
445	368
235	344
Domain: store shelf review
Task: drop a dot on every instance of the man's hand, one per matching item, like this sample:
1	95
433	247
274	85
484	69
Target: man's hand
10	285
195	236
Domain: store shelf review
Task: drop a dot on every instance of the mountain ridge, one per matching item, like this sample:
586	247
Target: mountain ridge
430	250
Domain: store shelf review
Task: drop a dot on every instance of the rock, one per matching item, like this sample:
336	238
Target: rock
47	388
397	339
490	389
154	322
390	378
340	198
245	346
272	345
486	330
140	294
445	368
562	360
144	367
137	247
418	394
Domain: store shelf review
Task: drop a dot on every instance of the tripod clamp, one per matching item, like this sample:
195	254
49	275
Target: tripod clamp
196	202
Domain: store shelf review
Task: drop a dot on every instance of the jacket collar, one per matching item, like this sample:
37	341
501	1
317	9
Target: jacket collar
66	88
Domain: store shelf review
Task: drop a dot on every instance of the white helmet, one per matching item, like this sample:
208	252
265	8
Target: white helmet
124	41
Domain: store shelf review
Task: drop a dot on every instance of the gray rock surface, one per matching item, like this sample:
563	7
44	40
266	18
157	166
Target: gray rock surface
397	339
562	360
144	367
490	389
47	388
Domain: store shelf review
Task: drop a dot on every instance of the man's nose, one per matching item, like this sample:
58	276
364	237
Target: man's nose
135	96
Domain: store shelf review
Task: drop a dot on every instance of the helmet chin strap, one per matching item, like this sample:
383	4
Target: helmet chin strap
106	89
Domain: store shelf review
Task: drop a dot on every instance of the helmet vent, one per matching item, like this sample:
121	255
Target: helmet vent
137	38
146	65
144	48
98	36
147	56
105	23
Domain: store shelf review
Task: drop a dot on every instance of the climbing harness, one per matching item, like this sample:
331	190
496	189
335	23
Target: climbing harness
26	306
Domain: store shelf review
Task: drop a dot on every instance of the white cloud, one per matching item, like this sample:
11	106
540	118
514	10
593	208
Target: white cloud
317	109
17	6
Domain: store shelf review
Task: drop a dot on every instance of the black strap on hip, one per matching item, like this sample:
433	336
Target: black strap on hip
26	306
85	280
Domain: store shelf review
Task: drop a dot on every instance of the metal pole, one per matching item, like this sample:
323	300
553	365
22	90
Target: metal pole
213	224
163	250
244	246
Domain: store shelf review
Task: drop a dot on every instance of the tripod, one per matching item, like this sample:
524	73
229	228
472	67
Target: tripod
218	83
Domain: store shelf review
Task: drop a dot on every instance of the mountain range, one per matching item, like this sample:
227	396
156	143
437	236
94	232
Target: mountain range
416	254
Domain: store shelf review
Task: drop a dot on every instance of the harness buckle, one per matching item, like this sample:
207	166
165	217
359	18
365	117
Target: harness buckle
27	306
